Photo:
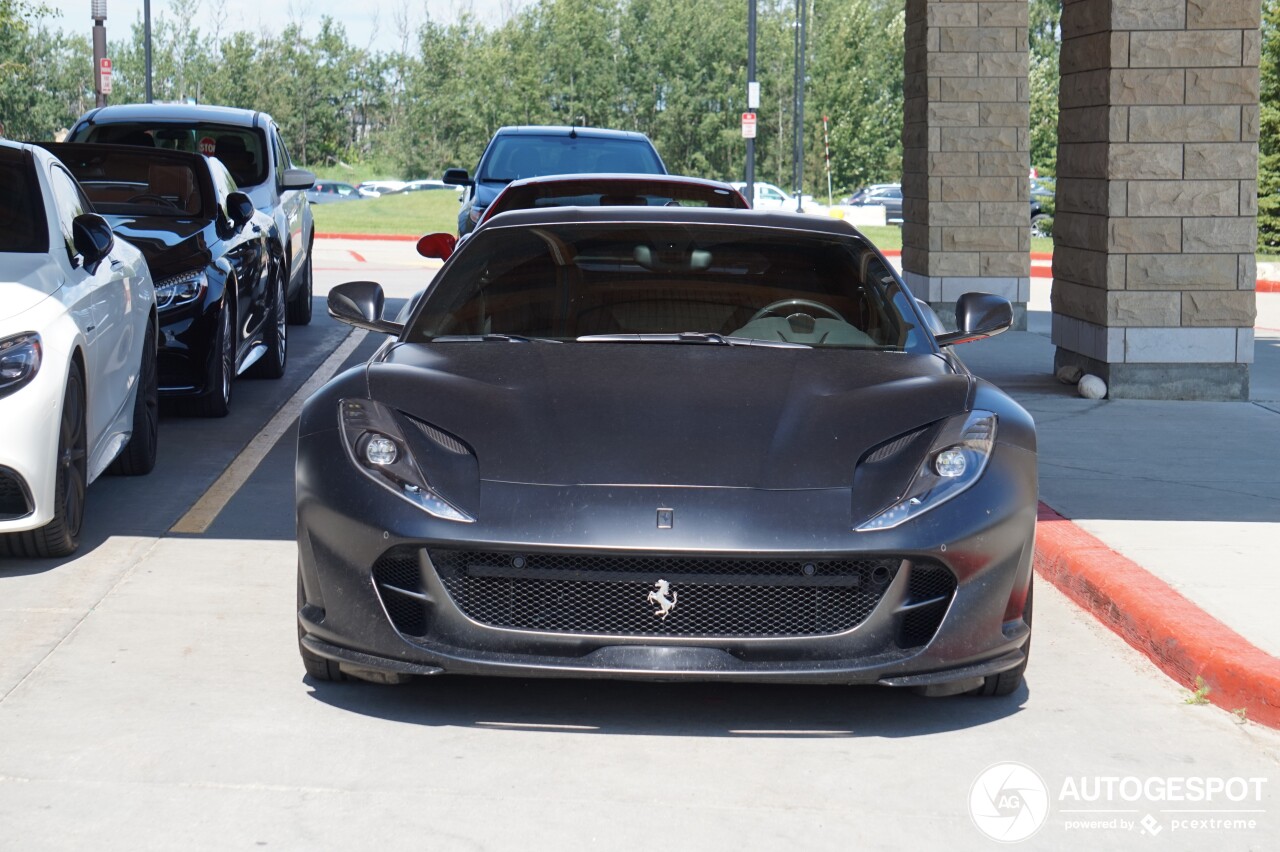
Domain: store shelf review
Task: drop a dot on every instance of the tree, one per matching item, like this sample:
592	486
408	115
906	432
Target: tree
1269	131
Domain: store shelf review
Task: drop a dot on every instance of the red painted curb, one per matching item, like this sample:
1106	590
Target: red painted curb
1178	636
399	238
1268	286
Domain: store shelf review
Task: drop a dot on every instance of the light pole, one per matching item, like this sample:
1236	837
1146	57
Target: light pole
146	42
802	7
99	11
753	101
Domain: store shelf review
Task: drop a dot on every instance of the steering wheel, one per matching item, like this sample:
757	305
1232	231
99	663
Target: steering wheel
773	308
147	196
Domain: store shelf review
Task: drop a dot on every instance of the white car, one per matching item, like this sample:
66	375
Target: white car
772	197
78	385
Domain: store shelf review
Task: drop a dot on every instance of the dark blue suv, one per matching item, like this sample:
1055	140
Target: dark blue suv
521	152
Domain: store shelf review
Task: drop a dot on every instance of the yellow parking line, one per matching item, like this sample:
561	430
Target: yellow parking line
206	510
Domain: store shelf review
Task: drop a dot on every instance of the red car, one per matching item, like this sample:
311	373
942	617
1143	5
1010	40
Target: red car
597	190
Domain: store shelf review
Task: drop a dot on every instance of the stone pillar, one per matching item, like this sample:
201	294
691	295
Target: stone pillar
1155	232
966	153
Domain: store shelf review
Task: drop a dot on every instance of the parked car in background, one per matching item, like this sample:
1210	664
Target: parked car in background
250	145
429	184
328	191
886	195
522	152
667	443
216	260
1042	207
769	196
77	354
375	188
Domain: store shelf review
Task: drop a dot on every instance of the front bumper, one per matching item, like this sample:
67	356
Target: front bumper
184	360
346	524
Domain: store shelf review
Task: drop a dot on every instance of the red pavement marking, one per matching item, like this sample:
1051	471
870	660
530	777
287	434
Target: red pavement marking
1178	636
359	257
1268	286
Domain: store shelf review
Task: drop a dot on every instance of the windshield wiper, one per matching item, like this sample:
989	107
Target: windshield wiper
705	337
488	338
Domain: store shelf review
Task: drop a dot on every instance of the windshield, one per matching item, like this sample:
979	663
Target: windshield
515	156
22	223
136	182
241	149
658	282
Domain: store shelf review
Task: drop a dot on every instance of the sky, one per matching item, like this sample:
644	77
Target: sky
368	22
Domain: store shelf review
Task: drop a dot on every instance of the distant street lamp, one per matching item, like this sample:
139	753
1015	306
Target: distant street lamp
99	12
146	41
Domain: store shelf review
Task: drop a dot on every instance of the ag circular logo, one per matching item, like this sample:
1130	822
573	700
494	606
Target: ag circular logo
1009	802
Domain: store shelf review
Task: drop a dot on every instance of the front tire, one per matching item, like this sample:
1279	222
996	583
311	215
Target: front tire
1007	683
271	365
61	536
139	455
318	668
300	304
217	399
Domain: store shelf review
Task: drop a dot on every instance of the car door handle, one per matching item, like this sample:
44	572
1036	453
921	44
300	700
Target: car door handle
116	263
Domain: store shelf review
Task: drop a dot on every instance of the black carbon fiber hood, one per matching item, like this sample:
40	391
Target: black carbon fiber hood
667	414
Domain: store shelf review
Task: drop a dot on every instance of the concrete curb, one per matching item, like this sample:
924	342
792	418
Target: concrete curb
399	238
1178	636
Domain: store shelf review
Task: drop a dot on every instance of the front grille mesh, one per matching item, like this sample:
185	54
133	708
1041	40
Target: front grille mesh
714	596
397	578
927	583
13	500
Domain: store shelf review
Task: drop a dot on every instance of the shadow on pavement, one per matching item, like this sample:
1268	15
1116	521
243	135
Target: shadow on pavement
666	709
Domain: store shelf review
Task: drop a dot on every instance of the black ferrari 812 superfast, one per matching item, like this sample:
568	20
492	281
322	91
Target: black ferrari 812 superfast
667	443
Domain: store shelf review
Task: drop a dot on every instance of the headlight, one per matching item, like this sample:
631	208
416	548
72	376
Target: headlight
19	360
180	289
377	447
956	460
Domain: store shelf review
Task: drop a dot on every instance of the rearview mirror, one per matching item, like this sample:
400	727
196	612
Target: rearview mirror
239	209
457	177
437	245
297	179
92	238
360	303
978	315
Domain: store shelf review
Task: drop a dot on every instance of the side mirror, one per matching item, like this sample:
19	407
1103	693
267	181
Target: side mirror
297	179
92	238
978	315
457	177
239	209
437	245
360	303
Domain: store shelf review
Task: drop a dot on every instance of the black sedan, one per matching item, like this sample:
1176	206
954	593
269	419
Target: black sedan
215	259
667	443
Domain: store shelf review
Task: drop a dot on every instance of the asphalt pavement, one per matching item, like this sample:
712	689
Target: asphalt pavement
151	696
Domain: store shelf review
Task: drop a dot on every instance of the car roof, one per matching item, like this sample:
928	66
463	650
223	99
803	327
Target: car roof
670	215
553	130
123	113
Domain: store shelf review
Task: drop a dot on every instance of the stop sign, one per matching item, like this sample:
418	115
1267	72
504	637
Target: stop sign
208	146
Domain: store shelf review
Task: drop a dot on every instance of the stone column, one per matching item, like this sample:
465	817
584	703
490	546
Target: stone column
966	153
1155	232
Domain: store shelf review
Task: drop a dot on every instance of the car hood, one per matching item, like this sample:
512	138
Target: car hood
171	246
674	414
27	282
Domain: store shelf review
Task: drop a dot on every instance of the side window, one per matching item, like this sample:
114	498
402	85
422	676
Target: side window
70	203
279	154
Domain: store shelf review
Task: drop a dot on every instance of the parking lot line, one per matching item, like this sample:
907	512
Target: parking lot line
206	510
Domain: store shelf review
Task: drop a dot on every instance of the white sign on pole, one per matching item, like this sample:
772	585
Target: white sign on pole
104	76
748	125
753	95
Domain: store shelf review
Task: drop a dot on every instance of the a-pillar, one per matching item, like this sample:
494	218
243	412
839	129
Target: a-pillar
1155	233
966	203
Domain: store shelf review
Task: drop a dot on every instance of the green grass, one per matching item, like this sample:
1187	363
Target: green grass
414	213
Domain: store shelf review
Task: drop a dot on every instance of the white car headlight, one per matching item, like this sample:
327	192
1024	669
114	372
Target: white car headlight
180	289
20	357
377	447
955	462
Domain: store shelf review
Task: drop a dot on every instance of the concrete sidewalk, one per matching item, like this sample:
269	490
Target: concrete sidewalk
1175	511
